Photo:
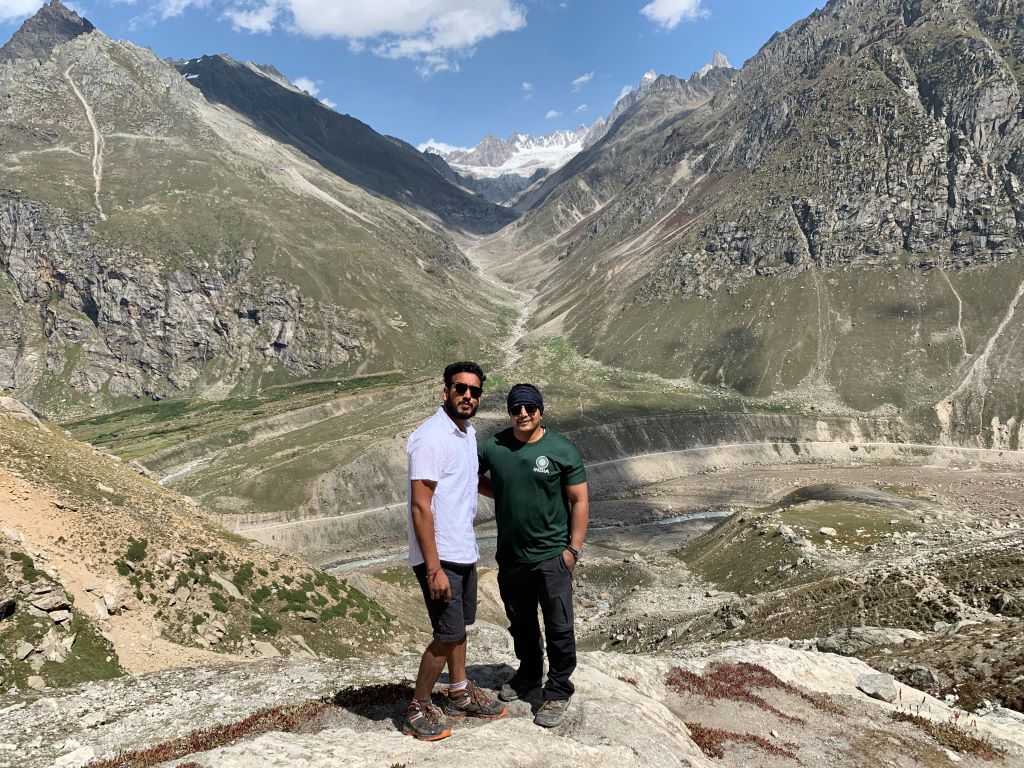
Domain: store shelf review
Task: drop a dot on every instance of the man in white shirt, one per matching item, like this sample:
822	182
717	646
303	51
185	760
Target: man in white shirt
443	551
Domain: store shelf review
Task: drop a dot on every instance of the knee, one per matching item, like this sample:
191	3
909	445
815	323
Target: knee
559	629
442	647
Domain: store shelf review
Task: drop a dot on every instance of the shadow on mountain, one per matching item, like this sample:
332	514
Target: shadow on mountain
342	144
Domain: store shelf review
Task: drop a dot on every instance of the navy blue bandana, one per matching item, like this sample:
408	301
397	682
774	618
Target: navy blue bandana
525	394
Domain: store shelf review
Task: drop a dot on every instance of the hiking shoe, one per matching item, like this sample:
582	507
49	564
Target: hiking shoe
423	721
472	701
551	713
516	689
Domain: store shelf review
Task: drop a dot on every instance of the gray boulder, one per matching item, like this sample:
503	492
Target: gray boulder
878	686
855	640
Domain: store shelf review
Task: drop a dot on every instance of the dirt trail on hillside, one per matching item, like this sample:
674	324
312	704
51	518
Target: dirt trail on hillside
488	257
98	144
135	635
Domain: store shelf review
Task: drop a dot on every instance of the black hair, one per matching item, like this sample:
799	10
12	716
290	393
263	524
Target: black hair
464	367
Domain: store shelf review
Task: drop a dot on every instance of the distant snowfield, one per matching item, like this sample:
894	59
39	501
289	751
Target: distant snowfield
525	163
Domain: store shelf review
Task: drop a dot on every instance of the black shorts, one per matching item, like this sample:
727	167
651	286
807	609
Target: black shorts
450	619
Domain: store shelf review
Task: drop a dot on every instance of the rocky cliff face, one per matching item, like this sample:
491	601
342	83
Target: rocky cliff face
116	321
869	155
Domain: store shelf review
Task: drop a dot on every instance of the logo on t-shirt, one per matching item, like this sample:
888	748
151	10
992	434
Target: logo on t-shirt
541	465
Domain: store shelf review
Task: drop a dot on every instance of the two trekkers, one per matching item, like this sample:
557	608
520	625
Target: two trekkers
538	483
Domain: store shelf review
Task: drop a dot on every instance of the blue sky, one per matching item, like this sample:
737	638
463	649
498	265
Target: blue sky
450	70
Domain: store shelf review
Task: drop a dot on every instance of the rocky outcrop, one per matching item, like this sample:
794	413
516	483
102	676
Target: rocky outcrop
117	321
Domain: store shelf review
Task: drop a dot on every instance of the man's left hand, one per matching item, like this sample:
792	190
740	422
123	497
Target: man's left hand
569	559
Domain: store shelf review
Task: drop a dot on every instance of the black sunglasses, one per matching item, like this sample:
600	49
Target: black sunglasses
462	389
530	409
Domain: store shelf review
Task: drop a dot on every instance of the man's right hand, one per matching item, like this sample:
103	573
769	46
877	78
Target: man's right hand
440	589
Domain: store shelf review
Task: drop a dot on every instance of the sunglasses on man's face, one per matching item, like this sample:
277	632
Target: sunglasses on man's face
530	410
462	389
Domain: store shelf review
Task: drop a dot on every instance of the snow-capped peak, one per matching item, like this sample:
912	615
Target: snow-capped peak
718	60
520	153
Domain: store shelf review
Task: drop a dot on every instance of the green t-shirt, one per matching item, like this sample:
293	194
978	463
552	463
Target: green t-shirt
530	503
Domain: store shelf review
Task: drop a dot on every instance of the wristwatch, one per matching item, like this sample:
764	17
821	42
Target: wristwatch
575	552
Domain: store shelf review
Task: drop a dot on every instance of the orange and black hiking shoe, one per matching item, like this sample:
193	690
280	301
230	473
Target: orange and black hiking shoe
423	721
472	701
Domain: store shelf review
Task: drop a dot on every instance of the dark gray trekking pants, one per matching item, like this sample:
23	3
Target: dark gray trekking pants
548	584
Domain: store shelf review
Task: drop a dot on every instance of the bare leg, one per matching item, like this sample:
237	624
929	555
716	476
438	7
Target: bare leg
431	664
457	662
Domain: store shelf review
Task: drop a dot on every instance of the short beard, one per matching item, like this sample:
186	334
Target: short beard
454	414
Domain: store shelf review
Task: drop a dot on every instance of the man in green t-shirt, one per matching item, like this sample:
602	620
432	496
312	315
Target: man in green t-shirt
541	507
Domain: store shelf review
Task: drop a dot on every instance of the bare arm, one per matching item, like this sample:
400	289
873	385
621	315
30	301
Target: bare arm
579	518
484	487
423	529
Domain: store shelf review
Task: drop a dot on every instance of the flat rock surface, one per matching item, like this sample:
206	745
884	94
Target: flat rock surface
623	713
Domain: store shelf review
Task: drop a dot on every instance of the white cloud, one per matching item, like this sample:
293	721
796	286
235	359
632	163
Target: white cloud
257	20
166	9
433	33
581	108
552	114
18	9
306	84
528	87
440	147
328	103
582	80
626	90
668	13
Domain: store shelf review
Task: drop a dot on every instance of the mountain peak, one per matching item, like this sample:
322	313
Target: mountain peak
52	25
718	61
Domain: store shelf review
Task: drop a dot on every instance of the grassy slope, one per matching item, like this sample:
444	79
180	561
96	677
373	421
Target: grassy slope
107	510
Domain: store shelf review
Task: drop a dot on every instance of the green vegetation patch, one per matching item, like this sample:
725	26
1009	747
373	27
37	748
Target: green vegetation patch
136	549
399	575
137	432
90	658
856	524
746	554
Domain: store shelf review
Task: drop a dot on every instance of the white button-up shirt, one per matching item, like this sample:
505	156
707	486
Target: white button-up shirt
440	451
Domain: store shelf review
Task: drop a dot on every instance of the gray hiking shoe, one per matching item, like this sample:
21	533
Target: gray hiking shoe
423	721
472	701
551	713
516	689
